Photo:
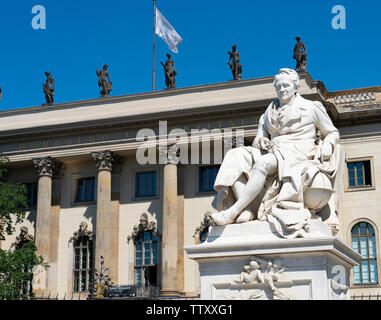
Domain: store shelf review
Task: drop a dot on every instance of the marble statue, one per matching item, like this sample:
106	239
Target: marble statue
290	172
235	66
170	72
300	55
48	88
105	86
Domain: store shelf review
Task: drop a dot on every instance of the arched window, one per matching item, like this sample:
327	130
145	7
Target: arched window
364	242
146	259
83	259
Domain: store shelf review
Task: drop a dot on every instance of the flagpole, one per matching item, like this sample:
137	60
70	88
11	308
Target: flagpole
154	47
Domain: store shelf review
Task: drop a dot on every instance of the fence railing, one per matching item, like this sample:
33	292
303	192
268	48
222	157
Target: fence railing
366	297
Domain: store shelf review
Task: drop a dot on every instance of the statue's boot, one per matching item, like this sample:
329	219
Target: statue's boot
245	216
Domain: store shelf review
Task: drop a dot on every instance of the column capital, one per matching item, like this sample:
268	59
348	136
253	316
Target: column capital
104	160
47	166
169	153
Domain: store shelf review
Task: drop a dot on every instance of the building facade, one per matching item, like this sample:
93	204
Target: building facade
98	185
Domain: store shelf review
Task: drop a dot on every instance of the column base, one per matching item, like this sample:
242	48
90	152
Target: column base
169	293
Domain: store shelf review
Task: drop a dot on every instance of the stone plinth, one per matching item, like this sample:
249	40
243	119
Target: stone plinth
313	268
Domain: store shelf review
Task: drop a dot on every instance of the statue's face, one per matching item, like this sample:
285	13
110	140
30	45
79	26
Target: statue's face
285	89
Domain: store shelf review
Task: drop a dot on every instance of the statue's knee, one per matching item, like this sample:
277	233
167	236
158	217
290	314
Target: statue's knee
234	152
266	164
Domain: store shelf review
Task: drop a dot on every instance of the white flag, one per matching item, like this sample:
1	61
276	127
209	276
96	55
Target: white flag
165	31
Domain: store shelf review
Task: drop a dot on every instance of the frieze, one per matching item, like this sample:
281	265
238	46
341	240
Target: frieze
93	139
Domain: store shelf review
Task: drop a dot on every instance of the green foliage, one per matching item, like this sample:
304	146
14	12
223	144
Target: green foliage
16	267
12	202
16	271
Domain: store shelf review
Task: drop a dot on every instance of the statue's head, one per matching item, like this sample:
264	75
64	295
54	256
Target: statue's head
286	84
144	220
83	227
297	38
254	265
168	55
105	67
234	47
47	74
24	230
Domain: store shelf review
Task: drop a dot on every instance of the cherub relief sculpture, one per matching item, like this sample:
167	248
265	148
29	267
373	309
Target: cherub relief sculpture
263	271
291	171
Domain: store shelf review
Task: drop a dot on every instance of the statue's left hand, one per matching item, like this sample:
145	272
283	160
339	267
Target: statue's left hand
326	151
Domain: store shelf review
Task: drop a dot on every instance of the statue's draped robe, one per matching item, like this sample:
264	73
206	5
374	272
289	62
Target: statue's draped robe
293	132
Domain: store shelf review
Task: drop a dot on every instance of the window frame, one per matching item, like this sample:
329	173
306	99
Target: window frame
347	188
134	173
83	191
74	186
198	182
349	233
29	208
140	268
89	265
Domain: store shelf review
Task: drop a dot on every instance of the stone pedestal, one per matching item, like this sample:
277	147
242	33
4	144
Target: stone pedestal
313	268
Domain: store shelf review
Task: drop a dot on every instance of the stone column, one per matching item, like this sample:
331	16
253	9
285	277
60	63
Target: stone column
169	248
54	234
104	234
45	167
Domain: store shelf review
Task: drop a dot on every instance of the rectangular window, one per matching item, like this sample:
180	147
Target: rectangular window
359	174
83	265
146	184
85	190
31	194
207	176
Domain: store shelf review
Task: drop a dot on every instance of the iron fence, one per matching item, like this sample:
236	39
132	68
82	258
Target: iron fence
366	297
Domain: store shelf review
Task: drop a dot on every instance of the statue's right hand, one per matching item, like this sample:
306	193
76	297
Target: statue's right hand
264	143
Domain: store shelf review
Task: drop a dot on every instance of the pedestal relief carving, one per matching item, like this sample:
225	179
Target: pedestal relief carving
265	272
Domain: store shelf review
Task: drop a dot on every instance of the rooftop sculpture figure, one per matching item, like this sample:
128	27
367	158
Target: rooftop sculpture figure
170	72
287	176
300	55
105	86
235	66
48	88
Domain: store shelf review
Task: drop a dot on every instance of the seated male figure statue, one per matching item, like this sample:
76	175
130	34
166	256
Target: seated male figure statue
296	142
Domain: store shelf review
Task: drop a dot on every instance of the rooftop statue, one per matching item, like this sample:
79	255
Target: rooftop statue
289	173
48	88
170	72
300	55
105	86
235	66
1	91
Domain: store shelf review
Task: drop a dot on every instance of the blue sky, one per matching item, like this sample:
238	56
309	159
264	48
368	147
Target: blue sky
82	35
